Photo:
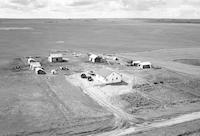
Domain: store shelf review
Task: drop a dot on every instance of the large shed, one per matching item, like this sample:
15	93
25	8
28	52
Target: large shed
34	65
145	65
55	57
95	58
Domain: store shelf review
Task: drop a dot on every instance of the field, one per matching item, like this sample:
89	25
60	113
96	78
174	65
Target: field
64	104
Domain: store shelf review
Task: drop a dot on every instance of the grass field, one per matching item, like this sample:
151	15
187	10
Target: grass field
49	105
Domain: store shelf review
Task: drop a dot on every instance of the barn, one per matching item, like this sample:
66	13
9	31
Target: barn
55	57
34	65
107	76
145	65
95	58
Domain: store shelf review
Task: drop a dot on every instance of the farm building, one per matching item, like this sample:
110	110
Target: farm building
55	57
53	72
108	76
136	63
145	65
34	65
30	60
95	58
39	71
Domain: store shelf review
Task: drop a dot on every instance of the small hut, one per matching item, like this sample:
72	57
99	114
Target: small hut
39	71
53	72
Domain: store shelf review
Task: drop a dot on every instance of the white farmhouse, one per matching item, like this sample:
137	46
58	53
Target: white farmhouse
108	76
55	57
34	65
145	65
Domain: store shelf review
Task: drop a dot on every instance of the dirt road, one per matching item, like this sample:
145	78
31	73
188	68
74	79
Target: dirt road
97	95
166	123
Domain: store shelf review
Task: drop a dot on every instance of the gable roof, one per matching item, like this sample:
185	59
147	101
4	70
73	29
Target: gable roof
56	55
93	56
145	63
104	72
35	64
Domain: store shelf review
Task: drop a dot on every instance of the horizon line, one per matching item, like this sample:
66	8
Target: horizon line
107	18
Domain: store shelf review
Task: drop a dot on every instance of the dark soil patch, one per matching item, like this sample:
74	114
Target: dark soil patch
136	100
16	65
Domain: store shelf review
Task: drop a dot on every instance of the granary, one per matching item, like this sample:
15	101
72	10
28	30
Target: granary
95	58
30	60
145	65
34	65
53	72
107	76
136	63
55	57
39	71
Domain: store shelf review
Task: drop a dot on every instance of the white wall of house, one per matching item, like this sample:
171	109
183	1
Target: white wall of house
111	78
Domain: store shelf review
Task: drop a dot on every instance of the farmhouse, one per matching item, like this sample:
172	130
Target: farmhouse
95	58
39	71
108	76
145	65
55	57
34	65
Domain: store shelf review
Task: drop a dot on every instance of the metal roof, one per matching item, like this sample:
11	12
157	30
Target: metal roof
35	64
145	63
56	55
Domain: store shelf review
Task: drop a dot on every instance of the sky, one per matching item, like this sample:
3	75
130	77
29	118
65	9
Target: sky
189	9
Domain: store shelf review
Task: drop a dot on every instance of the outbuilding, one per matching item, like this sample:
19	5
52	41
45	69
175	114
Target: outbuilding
34	65
53	72
39	71
136	63
145	65
95	58
107	76
30	60
55	57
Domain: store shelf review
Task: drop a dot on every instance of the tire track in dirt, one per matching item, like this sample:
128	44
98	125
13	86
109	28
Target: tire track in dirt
123	119
173	121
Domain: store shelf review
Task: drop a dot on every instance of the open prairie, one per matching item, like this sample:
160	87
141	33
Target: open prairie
29	37
52	105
